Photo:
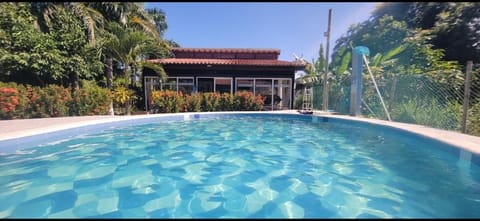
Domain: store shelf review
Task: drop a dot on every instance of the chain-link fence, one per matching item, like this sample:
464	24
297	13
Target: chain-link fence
412	98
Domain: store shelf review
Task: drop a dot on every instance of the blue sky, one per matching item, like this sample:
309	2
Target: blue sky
291	27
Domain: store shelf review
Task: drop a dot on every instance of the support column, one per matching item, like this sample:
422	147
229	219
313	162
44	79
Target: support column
356	86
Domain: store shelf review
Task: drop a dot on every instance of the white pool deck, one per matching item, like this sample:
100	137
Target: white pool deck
10	129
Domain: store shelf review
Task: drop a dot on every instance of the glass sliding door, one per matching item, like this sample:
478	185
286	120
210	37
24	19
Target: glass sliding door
263	87
185	85
244	84
170	84
282	94
223	85
205	85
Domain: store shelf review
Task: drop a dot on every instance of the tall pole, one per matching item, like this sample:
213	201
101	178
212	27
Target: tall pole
356	86
466	95
325	75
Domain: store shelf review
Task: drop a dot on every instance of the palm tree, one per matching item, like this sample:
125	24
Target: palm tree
130	47
91	18
96	18
46	17
132	16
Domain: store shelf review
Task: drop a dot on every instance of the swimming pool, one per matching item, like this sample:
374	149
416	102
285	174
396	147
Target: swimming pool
239	165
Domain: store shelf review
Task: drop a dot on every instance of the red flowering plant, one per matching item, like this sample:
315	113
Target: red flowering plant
246	101
57	98
258	102
90	99
8	102
193	102
167	101
210	102
227	102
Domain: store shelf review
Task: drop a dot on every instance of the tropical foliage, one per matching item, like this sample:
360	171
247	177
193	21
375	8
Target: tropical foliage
19	101
167	101
417	58
64	43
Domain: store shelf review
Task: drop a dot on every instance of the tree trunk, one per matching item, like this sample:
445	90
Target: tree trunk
109	73
74	79
127	107
129	86
40	80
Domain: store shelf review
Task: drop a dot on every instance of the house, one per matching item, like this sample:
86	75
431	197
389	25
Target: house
228	70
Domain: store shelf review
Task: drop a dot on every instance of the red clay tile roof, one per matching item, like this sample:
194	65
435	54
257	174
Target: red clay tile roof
227	50
245	62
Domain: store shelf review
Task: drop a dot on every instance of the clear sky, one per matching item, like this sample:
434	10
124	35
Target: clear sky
291	27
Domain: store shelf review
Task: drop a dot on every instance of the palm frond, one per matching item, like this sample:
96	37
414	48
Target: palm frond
346	60
376	60
394	52
156	68
90	17
146	24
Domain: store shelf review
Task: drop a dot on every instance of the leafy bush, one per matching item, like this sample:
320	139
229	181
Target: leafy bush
420	112
193	102
26	101
8	102
121	96
299	102
473	119
90	99
167	101
57	100
247	101
210	102
227	102
172	102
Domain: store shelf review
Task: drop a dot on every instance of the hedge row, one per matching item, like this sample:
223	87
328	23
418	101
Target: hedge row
19	101
173	102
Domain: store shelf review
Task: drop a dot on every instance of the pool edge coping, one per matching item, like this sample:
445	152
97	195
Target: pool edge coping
456	139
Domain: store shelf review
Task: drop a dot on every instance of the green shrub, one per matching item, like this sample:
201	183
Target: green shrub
247	101
428	112
210	102
227	102
167	101
473	119
121	96
299	102
172	102
90	99
193	102
8	102
56	100
25	101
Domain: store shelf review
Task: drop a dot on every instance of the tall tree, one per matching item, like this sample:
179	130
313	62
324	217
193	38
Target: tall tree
81	60
454	27
90	18
130	47
26	55
58	54
130	16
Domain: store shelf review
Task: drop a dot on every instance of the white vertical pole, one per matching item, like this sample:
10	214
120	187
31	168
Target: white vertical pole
376	88
325	75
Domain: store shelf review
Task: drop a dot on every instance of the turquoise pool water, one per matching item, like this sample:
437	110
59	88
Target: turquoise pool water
245	166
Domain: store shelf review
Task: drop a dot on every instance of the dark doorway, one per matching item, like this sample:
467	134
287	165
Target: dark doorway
205	85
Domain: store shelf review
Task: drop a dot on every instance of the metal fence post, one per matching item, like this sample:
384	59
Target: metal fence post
356	86
466	96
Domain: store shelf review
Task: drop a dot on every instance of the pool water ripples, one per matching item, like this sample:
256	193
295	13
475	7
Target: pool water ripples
240	167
